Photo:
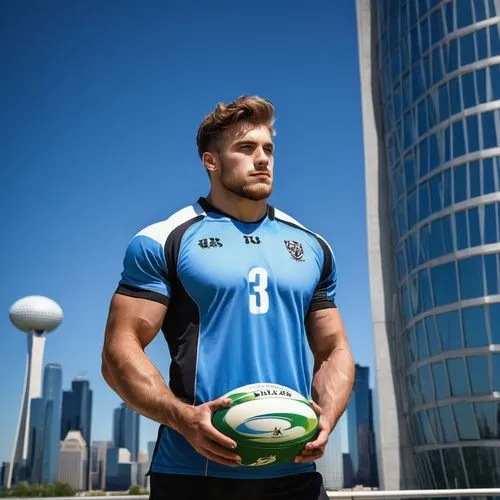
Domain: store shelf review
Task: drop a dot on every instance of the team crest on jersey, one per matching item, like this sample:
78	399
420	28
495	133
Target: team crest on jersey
295	249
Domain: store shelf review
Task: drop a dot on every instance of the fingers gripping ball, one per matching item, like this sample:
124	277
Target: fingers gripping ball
270	423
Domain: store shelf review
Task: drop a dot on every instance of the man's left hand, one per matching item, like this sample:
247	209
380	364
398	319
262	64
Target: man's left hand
315	449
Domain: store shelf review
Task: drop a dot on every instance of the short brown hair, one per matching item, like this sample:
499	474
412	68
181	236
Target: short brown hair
250	109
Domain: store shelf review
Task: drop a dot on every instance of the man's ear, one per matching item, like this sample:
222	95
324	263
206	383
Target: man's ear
210	161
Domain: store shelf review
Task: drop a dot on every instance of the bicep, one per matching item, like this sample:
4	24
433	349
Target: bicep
326	332
133	319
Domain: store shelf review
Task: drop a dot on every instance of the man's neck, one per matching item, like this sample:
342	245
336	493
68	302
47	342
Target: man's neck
240	208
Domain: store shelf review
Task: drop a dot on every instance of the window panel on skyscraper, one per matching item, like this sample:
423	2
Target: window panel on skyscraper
412	345
440	380
410	170
458	139
423	201
454	468
424	35
435	424
405	303
473	319
474	227
450	330
486	413
470	273
449	17
436	190
422	117
481	37
482	470
428	435
451	55
445	137
467	50
495	371
437	469
434	160
433	335
441	237
464	13
491	273
461	229
424	244
447	424
494	73
489	134
468	90
425	290
494	40
479	374
479	10
444	284
472	127
424	377
412	211
437	65
436	26
432	109
489	184
423	157
417	81
404	51
457	376
494	320
466	421
481	89
397	103
409	130
401	263
422	348
444	104
455	98
474	176
447	188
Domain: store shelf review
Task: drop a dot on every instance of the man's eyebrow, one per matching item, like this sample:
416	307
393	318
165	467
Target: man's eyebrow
250	142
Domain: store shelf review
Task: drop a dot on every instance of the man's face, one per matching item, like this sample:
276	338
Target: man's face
246	161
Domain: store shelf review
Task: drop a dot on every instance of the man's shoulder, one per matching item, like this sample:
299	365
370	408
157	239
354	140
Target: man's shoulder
291	221
160	230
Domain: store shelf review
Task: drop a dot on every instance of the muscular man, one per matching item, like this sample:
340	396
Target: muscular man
243	293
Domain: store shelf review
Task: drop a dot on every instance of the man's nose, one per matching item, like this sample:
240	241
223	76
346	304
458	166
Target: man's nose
261	160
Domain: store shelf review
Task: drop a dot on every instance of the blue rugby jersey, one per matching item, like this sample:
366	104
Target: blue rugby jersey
238	295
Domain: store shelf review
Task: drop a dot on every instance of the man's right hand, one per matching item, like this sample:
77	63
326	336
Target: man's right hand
195	424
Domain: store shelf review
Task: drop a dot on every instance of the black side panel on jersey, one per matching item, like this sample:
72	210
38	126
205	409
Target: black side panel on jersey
319	299
181	326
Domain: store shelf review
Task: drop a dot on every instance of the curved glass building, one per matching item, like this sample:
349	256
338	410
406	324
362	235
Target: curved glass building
430	79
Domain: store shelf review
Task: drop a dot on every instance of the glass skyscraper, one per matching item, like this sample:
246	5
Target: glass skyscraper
126	430
360	430
430	81
77	415
52	393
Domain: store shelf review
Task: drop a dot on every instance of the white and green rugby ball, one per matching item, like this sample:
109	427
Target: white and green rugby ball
270	423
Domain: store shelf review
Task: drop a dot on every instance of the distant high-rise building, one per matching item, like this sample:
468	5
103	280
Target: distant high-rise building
151	450
73	461
330	465
348	475
360	429
77	414
98	464
52	394
4	474
126	430
430	89
40	412
121	472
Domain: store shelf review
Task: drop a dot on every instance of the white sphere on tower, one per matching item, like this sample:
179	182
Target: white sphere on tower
36	314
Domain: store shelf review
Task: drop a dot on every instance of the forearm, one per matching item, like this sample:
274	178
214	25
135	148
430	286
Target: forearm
332	383
130	373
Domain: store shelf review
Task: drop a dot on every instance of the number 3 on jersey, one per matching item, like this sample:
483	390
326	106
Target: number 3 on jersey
258	298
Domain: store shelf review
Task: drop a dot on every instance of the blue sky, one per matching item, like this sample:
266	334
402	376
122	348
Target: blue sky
101	102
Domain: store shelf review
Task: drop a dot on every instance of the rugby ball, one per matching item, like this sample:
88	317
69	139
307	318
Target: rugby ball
270	423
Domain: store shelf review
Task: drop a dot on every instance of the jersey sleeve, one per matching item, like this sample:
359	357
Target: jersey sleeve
325	291
145	273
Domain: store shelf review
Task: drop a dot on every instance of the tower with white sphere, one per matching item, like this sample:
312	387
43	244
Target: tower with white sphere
36	316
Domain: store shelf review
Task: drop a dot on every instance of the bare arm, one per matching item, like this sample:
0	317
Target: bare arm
132	324
333	374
